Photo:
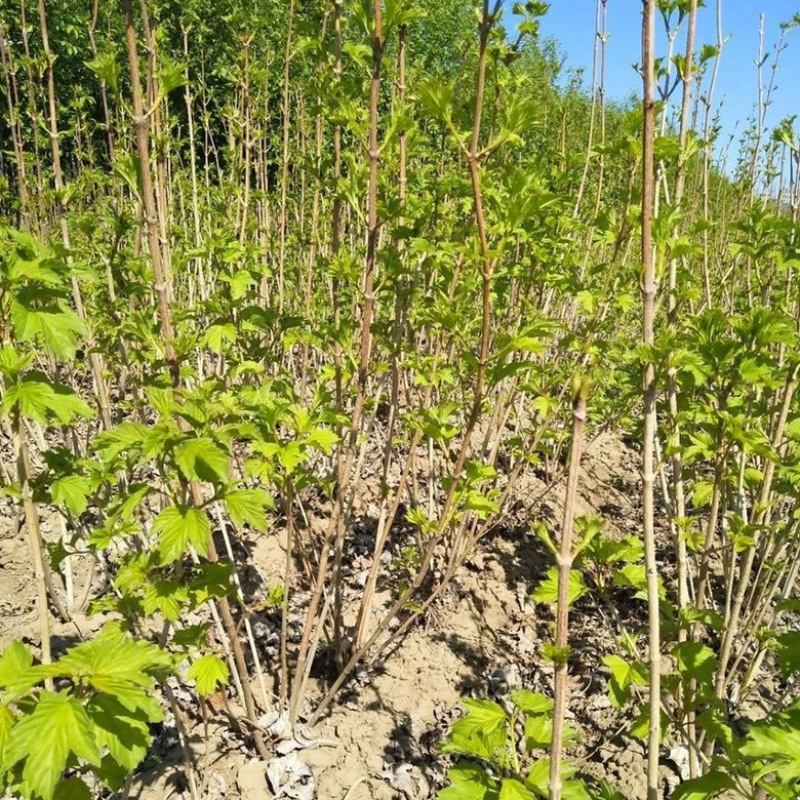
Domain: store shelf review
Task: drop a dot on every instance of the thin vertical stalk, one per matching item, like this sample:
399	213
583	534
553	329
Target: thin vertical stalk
487	265
32	112
285	158
384	528
372	217
599	7
95	361
764	98
564	559
16	130
315	214
603	34
193	163
141	127
649	394
44	585
709	103
336	241
679	497
103	88
287	577
246	139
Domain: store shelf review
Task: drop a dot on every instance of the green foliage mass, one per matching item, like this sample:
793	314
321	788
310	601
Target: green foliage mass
275	268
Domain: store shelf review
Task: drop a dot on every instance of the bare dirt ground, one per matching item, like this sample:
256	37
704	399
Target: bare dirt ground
483	639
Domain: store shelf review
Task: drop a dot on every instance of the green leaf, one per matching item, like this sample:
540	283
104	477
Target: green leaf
127	437
608	551
788	654
547	590
213	580
178	527
111	773
202	460
128	168
696	660
72	789
118	666
17	673
239	282
436	98
124	732
480	504
323	439
55	326
128	503
249	506
12	363
72	491
704	788
586	300
531	702
62	722
605	791
618	694
168	597
192	635
538	732
624	674
482	732
31	397
777	746
216	336
289	455
468	782
706	616
635	576
7	720
715	722
171	76
208	672
105	66
511	789
576	790
38	399
641	725
538	781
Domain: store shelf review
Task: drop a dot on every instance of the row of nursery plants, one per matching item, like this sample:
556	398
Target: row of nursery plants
296	264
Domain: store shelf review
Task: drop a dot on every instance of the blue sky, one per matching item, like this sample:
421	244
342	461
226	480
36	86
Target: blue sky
572	23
